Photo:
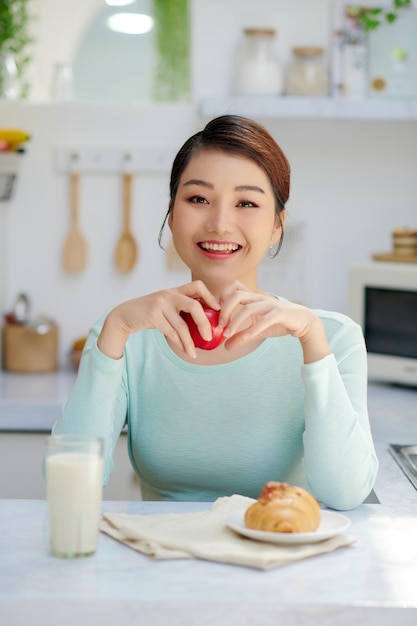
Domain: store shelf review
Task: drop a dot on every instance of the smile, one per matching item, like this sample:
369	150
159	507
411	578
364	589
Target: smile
225	248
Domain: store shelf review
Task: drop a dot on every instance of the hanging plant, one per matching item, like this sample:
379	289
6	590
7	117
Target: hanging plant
172	31
372	18
15	38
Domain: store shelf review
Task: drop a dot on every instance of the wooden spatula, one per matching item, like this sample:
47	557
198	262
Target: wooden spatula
74	253
126	252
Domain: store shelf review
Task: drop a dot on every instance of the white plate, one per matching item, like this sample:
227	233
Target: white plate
331	524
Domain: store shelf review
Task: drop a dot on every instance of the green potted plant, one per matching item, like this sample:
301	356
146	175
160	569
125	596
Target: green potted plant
14	41
370	18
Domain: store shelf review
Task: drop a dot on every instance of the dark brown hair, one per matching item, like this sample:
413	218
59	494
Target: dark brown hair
237	135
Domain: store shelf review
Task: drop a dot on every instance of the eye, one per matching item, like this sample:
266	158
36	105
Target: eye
197	200
247	204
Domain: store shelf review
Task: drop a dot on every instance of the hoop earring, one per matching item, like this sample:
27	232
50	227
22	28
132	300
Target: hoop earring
271	252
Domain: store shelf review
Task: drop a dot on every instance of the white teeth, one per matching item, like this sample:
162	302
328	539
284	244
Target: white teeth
219	247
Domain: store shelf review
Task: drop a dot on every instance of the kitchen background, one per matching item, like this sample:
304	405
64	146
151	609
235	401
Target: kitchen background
354	180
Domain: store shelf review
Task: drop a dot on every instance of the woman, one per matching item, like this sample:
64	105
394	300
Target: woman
282	398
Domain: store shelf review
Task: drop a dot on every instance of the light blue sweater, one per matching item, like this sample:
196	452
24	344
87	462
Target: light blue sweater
199	432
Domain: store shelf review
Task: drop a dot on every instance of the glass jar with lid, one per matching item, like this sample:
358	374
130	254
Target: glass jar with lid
307	73
258	71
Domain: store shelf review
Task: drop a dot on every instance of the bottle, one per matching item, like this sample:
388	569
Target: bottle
307	74
62	82
9	80
258	71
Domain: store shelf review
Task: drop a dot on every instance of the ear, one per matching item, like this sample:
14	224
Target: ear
169	218
276	233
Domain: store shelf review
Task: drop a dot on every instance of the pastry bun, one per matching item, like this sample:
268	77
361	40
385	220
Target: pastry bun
283	508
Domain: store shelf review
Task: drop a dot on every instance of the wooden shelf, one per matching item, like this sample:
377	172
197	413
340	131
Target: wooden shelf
394	258
311	108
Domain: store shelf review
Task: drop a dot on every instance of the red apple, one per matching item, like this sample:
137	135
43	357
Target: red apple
217	332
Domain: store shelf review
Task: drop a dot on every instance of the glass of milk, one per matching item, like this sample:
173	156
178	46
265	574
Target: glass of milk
74	486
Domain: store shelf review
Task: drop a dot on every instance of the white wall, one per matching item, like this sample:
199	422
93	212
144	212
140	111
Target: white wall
353	182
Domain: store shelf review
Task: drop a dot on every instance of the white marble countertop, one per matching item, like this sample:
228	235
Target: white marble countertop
372	582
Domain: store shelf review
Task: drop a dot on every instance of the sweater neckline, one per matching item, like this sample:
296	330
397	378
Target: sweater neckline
195	367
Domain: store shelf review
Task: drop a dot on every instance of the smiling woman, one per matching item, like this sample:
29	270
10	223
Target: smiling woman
279	394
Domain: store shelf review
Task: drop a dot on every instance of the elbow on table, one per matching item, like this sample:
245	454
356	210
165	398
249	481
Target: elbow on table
347	496
348	503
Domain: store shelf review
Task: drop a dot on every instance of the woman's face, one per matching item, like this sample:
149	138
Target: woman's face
223	218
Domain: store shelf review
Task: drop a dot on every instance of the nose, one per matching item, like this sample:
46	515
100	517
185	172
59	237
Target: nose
220	219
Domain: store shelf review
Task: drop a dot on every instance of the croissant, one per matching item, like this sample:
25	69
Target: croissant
283	508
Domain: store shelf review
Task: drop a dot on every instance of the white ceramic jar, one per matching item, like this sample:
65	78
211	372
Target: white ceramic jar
258	71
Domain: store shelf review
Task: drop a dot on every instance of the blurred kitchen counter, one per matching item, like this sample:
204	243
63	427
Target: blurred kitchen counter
33	402
29	406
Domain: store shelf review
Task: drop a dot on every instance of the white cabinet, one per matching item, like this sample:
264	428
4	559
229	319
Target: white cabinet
21	458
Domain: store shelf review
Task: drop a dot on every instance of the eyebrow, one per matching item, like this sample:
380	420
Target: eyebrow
197	181
249	188
203	183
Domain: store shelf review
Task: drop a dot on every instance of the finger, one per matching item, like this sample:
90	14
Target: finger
198	290
241	309
195	309
176	330
231	298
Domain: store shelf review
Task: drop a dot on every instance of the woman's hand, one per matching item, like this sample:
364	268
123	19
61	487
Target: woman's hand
161	311
250	316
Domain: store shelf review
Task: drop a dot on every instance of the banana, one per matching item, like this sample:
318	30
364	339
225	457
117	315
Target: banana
14	136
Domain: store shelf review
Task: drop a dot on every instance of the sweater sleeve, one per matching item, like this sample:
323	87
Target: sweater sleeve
97	405
339	455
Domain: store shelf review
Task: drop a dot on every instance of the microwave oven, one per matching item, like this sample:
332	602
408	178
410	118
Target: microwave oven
382	298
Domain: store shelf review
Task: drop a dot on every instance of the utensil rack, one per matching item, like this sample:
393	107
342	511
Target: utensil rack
143	159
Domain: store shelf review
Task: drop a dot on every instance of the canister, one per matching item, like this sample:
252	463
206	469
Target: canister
307	74
258	70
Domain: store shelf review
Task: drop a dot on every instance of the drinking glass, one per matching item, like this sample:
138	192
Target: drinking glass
74	485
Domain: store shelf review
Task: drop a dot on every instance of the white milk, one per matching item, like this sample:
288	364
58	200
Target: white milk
74	483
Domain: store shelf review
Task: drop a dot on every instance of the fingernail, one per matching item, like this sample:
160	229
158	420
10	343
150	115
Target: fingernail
226	332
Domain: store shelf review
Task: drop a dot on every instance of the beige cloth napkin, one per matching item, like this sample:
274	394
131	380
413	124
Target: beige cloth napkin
204	535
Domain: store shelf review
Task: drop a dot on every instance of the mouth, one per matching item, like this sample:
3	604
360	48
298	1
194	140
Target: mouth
226	248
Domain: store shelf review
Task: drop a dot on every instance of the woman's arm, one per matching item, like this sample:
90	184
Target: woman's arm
339	455
97	405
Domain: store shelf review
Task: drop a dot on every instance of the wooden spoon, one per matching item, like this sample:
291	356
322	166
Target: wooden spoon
126	252
74	253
